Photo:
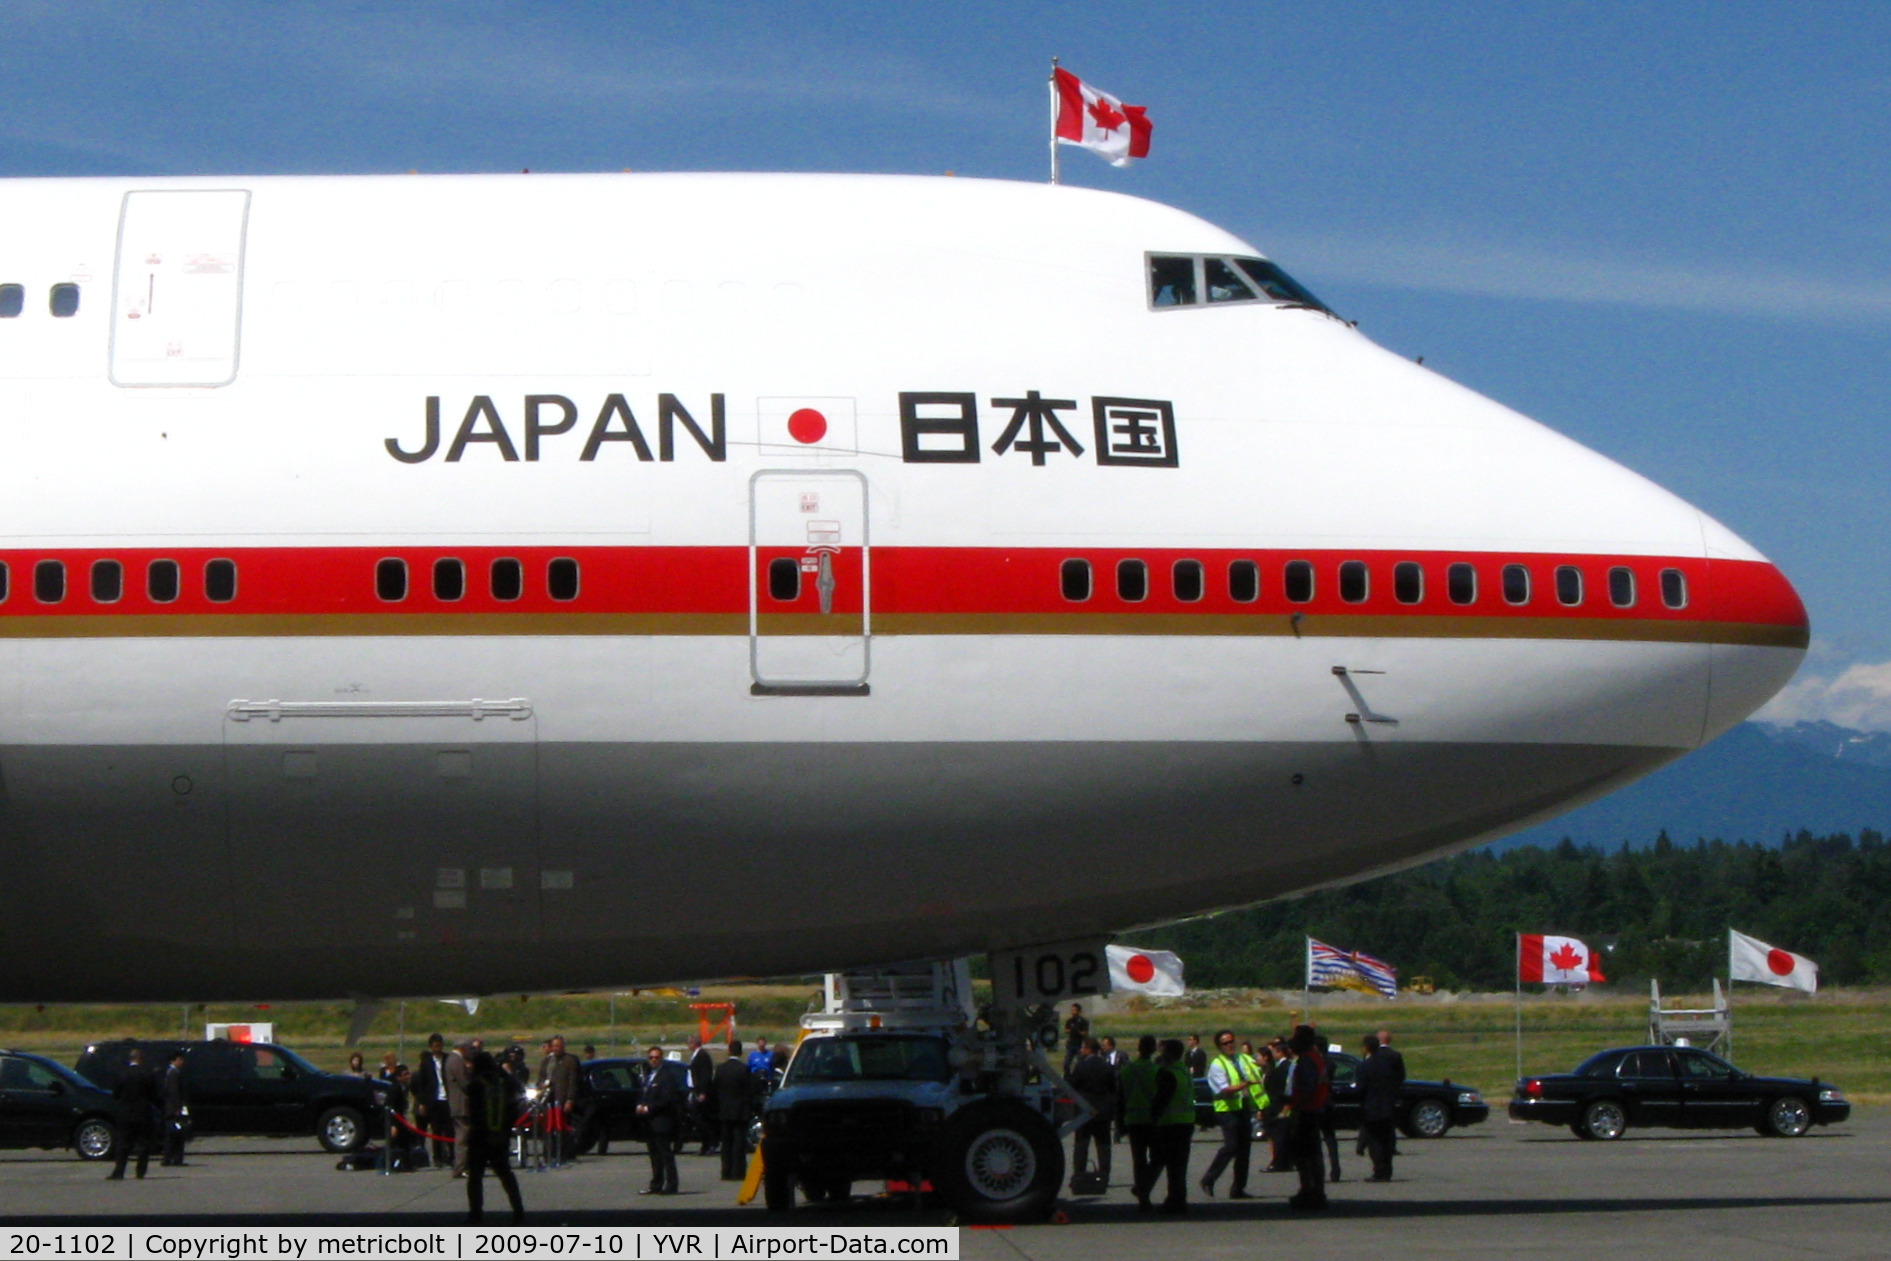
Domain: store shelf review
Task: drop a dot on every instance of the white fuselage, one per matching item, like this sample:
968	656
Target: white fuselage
537	582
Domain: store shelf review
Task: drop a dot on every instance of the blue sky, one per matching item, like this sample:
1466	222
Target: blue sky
1661	228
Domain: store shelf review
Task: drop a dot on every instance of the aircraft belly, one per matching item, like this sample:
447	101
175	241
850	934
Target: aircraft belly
656	862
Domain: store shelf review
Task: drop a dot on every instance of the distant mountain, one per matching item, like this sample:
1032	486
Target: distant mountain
1756	783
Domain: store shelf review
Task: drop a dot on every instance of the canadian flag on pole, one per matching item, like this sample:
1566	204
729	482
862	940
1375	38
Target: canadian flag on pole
1145	971
1750	959
1547	960
1099	122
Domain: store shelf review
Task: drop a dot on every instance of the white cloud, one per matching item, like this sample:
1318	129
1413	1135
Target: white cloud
1575	274
1858	697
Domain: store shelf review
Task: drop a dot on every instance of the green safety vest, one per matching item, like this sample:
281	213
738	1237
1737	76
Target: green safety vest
1259	1089
1139	1091
1181	1109
1242	1072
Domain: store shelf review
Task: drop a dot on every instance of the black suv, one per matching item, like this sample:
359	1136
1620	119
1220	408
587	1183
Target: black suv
253	1088
45	1104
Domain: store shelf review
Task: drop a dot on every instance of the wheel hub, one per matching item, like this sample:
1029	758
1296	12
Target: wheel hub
1000	1165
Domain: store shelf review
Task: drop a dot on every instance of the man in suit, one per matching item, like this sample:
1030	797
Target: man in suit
702	1092
432	1112
137	1095
1196	1060
458	1072
731	1090
561	1076
176	1113
662	1097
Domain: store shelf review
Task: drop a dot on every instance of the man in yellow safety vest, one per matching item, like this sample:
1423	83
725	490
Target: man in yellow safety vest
1232	1079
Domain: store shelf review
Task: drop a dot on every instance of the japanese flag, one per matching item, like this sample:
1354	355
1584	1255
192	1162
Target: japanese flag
1099	122
1750	959
1145	971
1547	960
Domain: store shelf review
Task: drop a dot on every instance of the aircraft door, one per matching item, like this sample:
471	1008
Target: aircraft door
177	293
809	582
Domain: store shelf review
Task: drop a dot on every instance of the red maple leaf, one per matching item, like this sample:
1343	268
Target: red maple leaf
1566	959
1108	117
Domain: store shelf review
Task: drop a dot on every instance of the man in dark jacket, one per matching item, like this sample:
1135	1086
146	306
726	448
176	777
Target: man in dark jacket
490	1108
1093	1078
1380	1077
1308	1088
661	1101
137	1095
702	1093
730	1090
432	1111
176	1112
560	1074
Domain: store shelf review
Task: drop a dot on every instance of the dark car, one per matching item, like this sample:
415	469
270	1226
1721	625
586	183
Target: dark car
45	1104
1674	1087
1425	1109
254	1088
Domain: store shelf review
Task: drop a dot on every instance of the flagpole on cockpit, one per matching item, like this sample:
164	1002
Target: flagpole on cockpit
1053	90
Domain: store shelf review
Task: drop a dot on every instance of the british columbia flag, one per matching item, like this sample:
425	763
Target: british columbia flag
1329	967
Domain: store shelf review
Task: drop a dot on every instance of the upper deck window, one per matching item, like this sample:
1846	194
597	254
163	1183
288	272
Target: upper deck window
1177	280
12	301
63	301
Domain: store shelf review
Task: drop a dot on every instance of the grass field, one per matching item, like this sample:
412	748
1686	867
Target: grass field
1841	1036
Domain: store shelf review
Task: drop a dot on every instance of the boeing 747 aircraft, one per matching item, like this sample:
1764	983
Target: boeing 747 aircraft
459	585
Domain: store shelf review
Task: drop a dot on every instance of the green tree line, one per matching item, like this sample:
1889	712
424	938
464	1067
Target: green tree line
1659	911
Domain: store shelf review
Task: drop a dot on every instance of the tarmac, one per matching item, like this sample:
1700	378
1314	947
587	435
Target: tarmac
1500	1190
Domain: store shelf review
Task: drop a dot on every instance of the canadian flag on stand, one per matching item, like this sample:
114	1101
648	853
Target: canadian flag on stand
1544	960
1099	122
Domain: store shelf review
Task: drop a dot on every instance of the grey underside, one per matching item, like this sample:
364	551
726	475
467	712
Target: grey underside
215	873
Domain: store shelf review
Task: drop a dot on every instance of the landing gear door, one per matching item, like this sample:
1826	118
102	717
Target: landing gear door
809	583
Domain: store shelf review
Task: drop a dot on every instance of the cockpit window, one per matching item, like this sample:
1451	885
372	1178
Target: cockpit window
1177	280
1171	280
1279	286
1224	283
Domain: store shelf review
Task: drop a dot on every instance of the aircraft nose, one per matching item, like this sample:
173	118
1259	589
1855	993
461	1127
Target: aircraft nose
1758	632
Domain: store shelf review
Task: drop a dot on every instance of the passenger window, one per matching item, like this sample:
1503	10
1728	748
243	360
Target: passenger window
784	579
49	581
1353	581
1132	580
1171	280
1645	1064
1516	584
1673	589
1622	587
1568	585
508	579
220	581
12	301
64	301
108	581
1298	581
561	579
1461	583
390	579
1223	283
161	581
5	584
1244	581
1185	579
449	579
1073	577
1408	582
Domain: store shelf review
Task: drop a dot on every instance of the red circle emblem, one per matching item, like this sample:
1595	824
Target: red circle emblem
1140	969
1779	963
807	425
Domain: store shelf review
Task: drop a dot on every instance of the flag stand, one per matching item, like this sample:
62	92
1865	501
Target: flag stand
1519	974
1054	102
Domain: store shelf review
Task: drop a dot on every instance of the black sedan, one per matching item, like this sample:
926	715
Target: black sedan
608	1105
1675	1088
45	1104
1425	1109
